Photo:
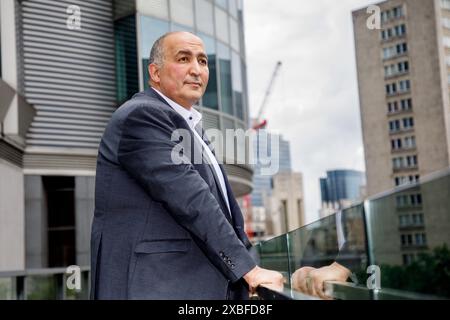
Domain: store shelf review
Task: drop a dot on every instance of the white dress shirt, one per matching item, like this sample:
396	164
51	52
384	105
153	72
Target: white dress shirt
193	117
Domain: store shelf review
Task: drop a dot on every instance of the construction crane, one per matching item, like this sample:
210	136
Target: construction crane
258	123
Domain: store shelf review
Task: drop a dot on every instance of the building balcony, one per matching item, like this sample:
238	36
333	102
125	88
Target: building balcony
362	237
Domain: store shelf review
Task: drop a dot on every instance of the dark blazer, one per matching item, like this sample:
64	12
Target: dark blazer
162	230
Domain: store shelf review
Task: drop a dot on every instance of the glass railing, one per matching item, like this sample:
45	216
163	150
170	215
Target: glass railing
396	245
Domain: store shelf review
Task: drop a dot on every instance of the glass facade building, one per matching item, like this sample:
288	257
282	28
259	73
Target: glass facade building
262	184
59	86
342	185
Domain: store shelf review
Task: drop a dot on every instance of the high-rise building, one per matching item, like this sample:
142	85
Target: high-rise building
403	76
277	199
65	67
403	72
340	189
281	159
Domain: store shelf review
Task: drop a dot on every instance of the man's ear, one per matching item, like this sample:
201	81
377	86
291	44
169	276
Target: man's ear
153	71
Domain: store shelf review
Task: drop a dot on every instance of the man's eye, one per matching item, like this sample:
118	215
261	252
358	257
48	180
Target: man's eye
203	62
183	59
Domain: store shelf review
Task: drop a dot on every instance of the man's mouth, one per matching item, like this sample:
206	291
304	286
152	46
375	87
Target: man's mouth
193	83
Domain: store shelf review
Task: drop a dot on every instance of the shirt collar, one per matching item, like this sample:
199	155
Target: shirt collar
192	116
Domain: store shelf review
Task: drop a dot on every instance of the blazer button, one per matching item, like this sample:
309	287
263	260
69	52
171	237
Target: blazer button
232	266
221	254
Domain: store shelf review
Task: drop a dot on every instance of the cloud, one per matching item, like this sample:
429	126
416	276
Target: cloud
314	102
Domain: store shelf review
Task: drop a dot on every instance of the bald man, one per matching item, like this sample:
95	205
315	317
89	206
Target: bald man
166	229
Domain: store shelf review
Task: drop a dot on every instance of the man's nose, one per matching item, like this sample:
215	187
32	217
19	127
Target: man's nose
195	68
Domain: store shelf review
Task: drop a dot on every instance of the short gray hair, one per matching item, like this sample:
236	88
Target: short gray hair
157	52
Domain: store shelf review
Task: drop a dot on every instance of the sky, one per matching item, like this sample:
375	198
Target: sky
314	102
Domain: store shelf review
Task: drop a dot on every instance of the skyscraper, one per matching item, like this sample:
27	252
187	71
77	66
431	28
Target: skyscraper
340	188
403	76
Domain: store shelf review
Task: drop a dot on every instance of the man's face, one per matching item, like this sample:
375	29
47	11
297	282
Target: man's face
183	77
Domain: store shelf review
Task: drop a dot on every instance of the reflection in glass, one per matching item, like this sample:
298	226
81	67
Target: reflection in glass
222	25
180	27
237	84
151	30
222	3
156	8
182	12
232	8
41	288
6	289
126	58
234	34
410	238
210	98
273	255
224	56
204	16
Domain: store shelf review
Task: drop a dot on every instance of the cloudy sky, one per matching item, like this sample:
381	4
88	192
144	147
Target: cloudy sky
314	103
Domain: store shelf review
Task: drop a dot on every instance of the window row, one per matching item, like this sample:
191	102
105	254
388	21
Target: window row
401	124
392	14
411	220
200	14
395	50
402	105
405	143
418	239
397	31
401	87
408	200
396	69
406	162
404	180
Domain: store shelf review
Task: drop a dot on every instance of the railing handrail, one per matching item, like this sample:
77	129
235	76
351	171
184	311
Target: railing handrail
37	272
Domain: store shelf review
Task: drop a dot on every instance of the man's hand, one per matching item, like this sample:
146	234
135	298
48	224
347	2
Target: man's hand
310	280
258	276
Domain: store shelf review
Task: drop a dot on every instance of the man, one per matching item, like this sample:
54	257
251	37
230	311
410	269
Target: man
167	230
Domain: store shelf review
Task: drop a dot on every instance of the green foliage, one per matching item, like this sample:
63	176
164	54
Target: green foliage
429	274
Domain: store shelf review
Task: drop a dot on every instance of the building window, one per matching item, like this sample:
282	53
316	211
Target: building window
406	104
391	89
391	14
393	107
447	42
445	4
394	51
397	31
394	126
408	123
420	239
210	98
404	86
408	259
396	144
410	142
224	55
126	58
60	200
417	219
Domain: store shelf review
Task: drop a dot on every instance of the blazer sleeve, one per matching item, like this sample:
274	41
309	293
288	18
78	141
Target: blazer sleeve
145	151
